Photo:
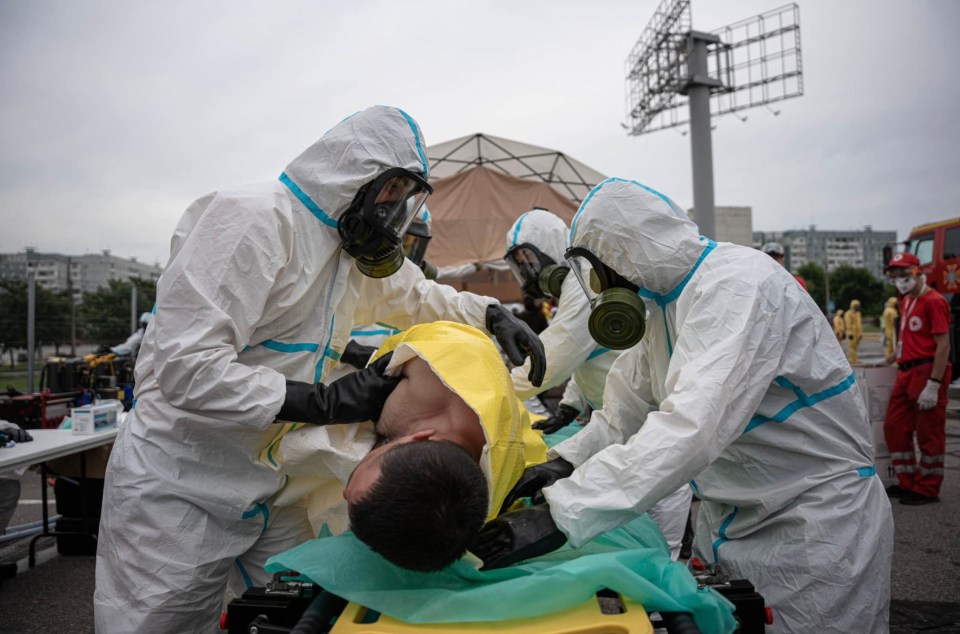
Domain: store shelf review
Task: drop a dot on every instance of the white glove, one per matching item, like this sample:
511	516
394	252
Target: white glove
928	397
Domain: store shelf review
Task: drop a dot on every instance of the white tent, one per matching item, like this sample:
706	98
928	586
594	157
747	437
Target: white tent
567	175
483	183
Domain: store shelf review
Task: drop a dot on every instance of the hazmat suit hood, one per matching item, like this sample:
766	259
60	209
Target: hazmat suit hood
855	304
640	233
327	175
542	229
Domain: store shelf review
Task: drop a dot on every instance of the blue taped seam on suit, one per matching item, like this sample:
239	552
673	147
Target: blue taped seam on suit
259	509
371	333
416	137
867	472
318	371
516	227
286	348
802	401
243	573
279	346
598	352
663	300
723	534
313	207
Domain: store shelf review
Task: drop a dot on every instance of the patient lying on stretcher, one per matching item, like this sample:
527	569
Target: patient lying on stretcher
455	384
451	441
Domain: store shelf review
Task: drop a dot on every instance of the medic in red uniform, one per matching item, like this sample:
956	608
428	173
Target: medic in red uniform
918	404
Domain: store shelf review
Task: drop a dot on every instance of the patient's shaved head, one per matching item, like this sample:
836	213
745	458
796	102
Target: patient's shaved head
427	505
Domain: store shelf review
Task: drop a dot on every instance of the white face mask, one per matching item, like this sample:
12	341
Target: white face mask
905	284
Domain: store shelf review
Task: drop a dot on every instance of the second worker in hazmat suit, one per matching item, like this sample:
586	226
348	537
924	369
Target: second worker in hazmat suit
253	309
536	244
853	326
738	387
890	326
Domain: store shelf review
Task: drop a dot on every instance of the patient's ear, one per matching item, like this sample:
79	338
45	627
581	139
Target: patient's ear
424	434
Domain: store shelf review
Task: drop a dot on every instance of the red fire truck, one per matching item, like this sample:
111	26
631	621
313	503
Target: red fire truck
937	246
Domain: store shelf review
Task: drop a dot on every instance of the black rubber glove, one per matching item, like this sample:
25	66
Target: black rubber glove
564	416
536	478
356	354
13	432
517	340
354	398
516	536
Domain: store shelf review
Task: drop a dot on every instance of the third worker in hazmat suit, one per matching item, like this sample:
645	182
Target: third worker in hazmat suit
253	309
536	244
738	387
838	326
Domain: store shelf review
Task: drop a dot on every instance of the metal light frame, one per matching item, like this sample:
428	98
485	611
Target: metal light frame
757	61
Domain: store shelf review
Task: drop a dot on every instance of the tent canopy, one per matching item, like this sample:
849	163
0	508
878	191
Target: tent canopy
481	186
568	176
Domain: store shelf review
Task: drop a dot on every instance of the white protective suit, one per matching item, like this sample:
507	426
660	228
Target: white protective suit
257	290
571	352
739	387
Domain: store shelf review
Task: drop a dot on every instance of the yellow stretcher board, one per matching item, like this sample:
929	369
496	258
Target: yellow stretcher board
587	618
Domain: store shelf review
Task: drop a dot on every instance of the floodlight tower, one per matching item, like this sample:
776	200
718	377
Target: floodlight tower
749	63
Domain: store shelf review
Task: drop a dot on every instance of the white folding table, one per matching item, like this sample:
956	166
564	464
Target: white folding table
48	444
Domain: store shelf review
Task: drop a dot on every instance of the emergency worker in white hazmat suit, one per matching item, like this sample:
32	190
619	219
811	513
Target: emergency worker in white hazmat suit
738	387
536	245
253	309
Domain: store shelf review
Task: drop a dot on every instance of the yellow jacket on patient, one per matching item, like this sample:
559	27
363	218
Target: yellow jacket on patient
319	460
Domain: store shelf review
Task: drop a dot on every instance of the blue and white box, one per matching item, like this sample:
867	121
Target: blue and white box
92	418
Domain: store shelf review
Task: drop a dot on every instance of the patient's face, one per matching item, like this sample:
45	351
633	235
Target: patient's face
366	473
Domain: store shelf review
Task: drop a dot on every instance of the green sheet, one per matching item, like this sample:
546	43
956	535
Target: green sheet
632	560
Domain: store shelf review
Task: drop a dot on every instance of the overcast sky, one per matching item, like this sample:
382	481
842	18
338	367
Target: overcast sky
114	116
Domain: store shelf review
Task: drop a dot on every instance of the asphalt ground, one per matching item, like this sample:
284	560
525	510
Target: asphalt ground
56	595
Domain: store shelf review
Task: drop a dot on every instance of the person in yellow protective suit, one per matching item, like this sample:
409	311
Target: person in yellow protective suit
890	326
838	328
456	393
854	328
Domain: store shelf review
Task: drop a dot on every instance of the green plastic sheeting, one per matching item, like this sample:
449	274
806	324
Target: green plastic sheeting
632	560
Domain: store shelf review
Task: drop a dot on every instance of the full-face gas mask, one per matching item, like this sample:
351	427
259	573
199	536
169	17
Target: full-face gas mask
373	226
536	271
617	314
415	242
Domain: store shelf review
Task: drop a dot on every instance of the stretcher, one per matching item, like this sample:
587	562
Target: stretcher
257	612
293	607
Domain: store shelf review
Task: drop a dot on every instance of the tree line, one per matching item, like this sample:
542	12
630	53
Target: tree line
103	318
847	283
